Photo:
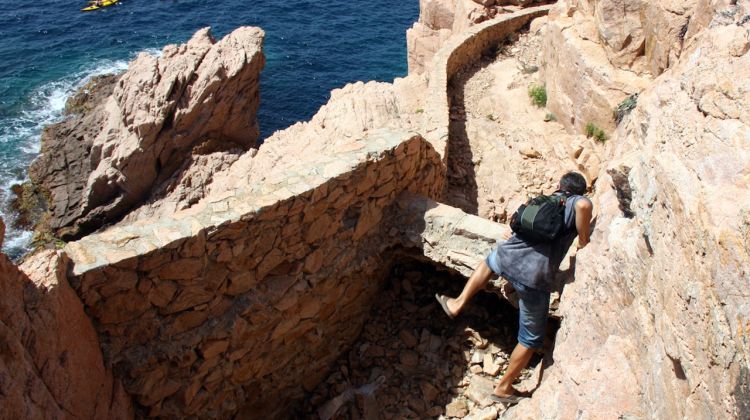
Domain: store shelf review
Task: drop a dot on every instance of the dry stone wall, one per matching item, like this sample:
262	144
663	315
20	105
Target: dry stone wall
440	19
208	310
458	53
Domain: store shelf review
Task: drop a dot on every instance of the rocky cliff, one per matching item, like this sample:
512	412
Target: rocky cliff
51	363
611	50
236	287
659	299
134	138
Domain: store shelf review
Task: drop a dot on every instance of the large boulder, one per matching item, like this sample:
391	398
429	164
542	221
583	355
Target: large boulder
426	36
51	365
600	53
659	299
118	152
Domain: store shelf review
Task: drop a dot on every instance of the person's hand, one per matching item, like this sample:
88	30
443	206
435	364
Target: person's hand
506	234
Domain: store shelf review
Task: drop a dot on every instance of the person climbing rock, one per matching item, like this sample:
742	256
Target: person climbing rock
530	266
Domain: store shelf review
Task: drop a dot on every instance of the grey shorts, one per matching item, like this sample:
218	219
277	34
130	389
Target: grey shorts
533	305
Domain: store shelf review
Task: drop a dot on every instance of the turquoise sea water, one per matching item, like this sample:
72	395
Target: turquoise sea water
47	49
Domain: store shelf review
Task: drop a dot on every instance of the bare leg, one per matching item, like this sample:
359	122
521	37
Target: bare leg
476	282
518	360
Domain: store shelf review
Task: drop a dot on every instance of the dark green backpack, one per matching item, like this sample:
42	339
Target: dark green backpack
541	219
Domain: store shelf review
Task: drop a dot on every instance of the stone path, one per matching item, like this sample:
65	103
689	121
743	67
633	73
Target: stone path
501	148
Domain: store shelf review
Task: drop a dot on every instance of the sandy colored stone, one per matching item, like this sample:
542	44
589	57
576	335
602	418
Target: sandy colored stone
161	294
51	361
409	358
188	297
408	338
214	348
240	283
489	366
187	320
488	413
457	408
182	269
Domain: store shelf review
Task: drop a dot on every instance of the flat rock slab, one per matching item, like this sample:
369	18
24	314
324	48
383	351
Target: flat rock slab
479	390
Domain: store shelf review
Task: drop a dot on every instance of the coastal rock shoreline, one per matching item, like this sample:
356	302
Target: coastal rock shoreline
214	279
126	138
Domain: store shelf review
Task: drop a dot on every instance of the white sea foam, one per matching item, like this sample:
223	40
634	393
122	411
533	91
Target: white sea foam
21	132
17	245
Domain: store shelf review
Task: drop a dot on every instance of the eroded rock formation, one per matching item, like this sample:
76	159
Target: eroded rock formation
659	298
439	19
599	53
199	98
203	298
51	363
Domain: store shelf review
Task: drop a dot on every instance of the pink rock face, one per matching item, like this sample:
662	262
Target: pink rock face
197	98
163	107
50	360
438	20
656	322
601	52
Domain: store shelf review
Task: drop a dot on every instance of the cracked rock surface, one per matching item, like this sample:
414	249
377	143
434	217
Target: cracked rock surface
195	99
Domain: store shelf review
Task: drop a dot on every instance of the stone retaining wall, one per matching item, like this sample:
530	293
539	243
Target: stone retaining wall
213	308
459	52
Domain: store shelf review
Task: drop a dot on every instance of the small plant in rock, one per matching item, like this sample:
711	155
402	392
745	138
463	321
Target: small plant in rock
490	117
597	133
550	117
419	110
624	108
538	95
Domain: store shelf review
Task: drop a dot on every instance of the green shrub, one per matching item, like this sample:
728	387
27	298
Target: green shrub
550	117
625	107
590	128
597	133
419	110
538	95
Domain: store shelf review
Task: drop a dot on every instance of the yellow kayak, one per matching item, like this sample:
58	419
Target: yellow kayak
95	6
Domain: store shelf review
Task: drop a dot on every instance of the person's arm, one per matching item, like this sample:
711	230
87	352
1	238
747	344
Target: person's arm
584	209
